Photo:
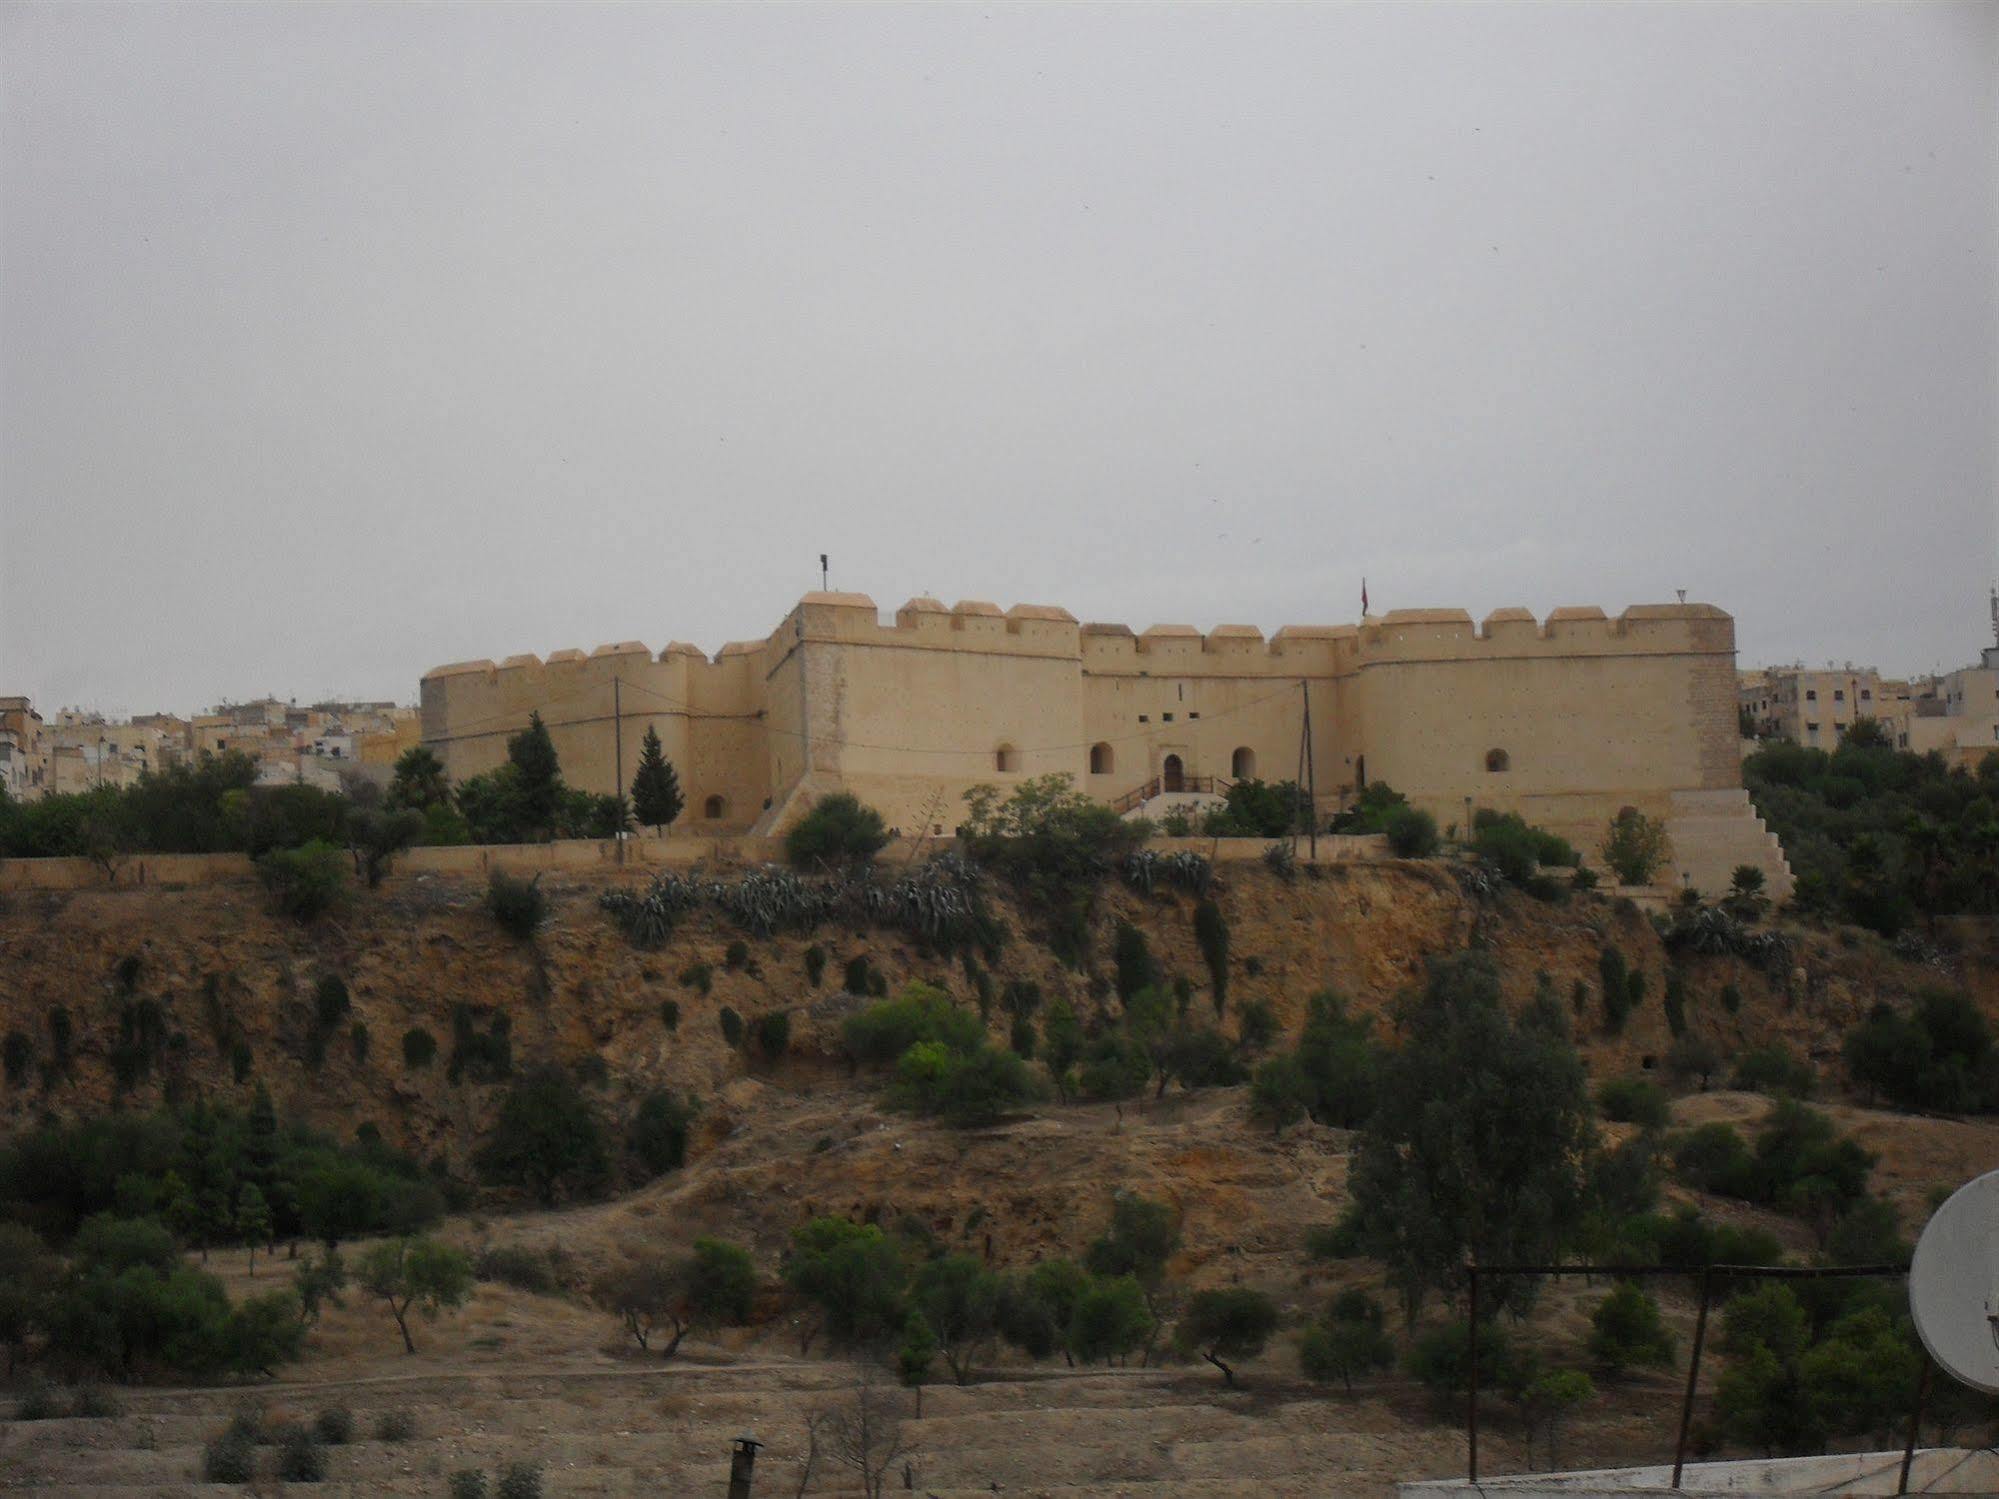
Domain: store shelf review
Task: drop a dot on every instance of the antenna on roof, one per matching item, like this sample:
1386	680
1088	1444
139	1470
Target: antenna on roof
1682	593
822	573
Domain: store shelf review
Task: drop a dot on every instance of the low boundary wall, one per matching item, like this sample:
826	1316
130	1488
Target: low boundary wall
153	871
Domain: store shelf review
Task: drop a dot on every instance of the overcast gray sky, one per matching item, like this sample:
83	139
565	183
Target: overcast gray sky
339	342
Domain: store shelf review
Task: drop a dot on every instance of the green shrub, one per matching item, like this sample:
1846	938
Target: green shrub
17	1054
538	1271
839	829
334	1426
546	1139
815	964
301	1459
1133	957
659	1130
305	882
737	955
883	1032
357	1040
395	1426
518	905
40	1401
1635	846
854	979
1774	1070
1211	931
520	1481
419	1048
773	1033
330	1002
1440	1360
1222	1325
1350	1340
669	1014
1633	1100
468	1483
1412	832
96	1402
732	1027
964	1088
697	976
1627	1330
230	1458
488	1055
1021	1037
1940	1056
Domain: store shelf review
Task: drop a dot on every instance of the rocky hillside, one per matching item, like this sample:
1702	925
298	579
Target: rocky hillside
224	975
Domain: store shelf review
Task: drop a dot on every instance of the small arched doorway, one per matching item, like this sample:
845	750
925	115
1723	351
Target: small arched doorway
1005	758
1242	764
1498	760
714	808
1172	775
1102	762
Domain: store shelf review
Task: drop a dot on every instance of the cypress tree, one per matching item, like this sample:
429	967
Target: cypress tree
656	798
532	752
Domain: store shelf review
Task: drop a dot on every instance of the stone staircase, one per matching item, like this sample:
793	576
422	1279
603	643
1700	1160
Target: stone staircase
1713	832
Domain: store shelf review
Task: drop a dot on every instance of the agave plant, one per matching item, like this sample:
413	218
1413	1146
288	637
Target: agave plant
1141	868
771	899
1189	870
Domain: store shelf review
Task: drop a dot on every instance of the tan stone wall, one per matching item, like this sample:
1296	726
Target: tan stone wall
1592	713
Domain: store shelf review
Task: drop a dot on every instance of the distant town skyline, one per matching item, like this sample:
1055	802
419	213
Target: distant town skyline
338	342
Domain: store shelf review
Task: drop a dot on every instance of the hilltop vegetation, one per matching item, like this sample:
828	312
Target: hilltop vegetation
1878	836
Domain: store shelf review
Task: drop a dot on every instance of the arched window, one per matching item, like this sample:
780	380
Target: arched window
714	808
1242	764
1102	762
1006	758
1172	774
1496	759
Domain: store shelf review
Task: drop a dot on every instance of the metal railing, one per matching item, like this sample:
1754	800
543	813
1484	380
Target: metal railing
1164	785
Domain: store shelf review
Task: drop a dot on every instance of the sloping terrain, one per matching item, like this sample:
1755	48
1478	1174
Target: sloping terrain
516	1376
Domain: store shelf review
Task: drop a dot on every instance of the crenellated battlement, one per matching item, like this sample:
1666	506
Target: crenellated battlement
1567	716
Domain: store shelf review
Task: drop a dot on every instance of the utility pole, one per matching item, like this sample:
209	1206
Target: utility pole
618	737
822	572
1298	781
1311	770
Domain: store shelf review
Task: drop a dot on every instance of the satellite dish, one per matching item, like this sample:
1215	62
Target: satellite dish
1954	1284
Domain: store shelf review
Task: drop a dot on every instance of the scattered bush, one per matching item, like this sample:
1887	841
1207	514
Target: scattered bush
546	1139
732	1027
520	1481
773	1033
659	1131
1412	832
737	955
1939	1056
334	1426
17	1054
305	882
518	905
1633	1100
965	1088
1636	846
487	1056
839	829
468	1483
40	1401
815	964
921	1013
395	1426
539	1271
1228	1324
230	1457
1774	1070
854	978
96	1402
301	1459
1350	1340
1211	932
669	1014
1627	1331
419	1048
697	976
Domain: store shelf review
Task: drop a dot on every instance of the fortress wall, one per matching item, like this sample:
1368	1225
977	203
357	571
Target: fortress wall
909	716
1591	713
705	713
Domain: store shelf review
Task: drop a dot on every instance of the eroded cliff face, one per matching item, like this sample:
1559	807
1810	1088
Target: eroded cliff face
219	965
